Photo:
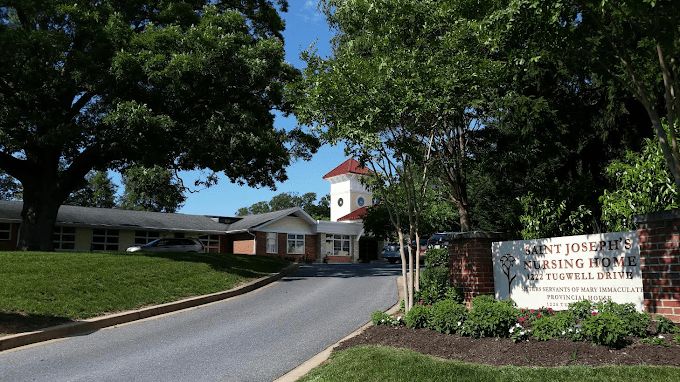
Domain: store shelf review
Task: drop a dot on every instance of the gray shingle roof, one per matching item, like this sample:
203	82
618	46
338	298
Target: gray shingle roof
129	219
121	219
254	221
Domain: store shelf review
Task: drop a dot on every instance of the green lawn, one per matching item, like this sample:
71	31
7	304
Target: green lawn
66	285
375	363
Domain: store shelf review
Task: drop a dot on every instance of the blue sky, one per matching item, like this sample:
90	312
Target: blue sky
304	25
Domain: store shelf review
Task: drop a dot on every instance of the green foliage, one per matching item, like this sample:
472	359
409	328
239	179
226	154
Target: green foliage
676	339
434	285
642	184
490	318
319	211
151	189
656	341
545	218
419	316
438	257
107	85
665	325
448	316
519	333
634	323
562	324
581	309
605	329
98	192
381	318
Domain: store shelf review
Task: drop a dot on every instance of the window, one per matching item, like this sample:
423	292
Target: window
64	238
361	201
296	244
339	244
273	242
105	239
210	242
146	237
5	231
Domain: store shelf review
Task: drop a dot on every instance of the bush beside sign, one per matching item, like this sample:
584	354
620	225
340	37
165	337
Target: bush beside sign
554	272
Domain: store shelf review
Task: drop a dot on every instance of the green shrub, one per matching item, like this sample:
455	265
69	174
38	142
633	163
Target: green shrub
676	339
434	285
381	318
490	318
519	333
561	324
664	325
437	258
454	294
605	329
581	309
634	323
448	316
418	317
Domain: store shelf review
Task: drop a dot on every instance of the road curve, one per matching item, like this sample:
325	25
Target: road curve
256	337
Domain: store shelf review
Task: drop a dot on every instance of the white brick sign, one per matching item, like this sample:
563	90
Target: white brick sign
553	272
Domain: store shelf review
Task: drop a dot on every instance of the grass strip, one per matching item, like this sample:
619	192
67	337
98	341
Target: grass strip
69	285
377	363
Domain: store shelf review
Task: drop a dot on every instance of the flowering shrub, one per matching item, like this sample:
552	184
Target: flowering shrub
519	333
448	316
558	325
419	316
490	318
581	309
655	341
531	315
381	318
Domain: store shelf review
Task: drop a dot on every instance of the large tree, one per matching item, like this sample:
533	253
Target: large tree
319	211
151	189
98	191
183	84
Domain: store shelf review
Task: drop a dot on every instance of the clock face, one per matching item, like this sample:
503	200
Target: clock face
360	201
340	201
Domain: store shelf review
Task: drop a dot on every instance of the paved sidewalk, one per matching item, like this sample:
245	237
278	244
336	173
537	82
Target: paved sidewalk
94	324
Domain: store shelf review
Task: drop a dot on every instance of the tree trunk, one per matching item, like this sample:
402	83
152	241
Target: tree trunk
42	200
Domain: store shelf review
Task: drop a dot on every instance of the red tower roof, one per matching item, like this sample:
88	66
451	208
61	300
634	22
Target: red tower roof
354	215
350	166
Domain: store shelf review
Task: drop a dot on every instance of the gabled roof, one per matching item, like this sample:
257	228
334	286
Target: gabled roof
260	220
354	215
350	166
120	219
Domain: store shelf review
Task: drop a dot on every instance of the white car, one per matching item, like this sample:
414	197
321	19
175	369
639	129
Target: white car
170	245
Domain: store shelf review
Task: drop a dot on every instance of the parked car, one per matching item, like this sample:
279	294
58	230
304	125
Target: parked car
170	245
391	252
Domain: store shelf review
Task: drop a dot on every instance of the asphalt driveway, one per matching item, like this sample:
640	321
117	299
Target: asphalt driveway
255	337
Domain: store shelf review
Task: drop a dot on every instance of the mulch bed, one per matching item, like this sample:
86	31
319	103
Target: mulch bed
503	351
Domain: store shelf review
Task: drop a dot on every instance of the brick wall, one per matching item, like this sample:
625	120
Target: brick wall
243	244
660	262
470	263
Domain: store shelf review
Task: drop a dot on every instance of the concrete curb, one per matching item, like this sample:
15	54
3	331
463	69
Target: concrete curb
320	358
94	324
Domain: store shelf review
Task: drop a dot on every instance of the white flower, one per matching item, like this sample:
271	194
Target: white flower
512	330
459	323
563	332
660	336
518	325
521	333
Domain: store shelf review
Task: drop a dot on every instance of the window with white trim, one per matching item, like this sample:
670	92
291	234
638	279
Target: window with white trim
5	231
272	242
105	239
210	242
64	238
339	244
296	244
146	237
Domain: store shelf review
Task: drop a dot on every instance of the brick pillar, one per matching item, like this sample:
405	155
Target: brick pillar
659	234
470	262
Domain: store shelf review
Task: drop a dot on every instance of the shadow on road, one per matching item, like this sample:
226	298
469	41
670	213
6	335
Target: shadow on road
345	270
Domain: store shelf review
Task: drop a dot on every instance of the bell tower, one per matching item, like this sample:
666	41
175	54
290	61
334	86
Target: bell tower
348	195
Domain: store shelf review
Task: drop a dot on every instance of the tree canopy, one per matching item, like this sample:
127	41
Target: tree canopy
319	211
182	84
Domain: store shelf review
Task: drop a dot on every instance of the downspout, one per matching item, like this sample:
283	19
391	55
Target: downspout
254	241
